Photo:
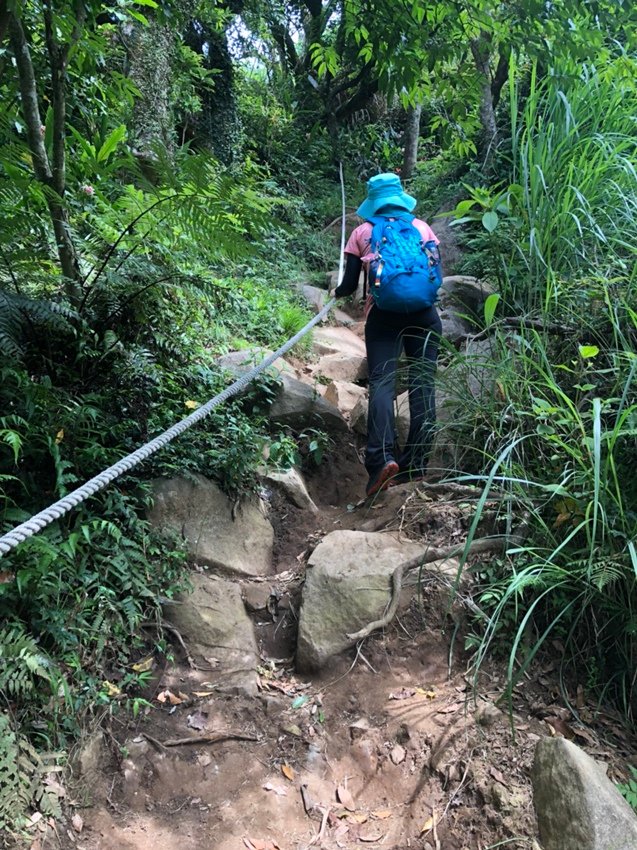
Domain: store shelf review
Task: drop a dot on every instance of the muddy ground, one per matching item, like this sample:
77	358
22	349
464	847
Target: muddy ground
391	746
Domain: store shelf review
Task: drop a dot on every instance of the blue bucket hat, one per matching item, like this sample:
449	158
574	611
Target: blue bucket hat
384	190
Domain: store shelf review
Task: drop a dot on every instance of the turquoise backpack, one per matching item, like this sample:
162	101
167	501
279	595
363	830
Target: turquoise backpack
405	274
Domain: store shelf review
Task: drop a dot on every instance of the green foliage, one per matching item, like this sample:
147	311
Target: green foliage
559	439
628	790
568	211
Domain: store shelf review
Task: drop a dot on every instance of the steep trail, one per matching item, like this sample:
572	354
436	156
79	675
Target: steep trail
386	747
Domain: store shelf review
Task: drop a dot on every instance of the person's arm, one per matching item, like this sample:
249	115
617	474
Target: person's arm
351	275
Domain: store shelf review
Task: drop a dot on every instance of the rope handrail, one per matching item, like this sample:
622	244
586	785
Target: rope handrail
57	510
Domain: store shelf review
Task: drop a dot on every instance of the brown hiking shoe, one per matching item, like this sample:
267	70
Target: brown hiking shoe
382	479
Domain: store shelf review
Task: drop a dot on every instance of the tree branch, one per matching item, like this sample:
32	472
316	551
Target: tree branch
41	165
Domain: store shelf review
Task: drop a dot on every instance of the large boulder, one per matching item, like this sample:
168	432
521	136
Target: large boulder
315	297
235	539
298	406
240	362
291	484
337	340
344	395
218	633
341	367
347	586
343	355
577	806
465	295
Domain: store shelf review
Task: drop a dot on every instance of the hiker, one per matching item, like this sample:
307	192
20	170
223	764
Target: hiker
402	263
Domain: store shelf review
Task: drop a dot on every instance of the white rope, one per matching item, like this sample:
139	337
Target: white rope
41	520
32	526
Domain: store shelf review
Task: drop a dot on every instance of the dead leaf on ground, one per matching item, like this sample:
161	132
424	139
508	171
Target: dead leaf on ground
169	697
292	729
382	814
204	759
77	823
358	817
427	826
203	693
288	772
343	795
144	665
498	776
425	693
560	728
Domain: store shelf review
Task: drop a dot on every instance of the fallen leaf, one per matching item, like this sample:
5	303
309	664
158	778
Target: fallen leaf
111	689
358	817
278	790
560	727
403	693
203	693
427	825
169	696
371	834
345	797
498	776
204	759
145	665
288	772
382	814
292	729
77	823
425	693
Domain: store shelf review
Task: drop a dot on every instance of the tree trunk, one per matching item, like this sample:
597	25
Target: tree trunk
489	139
411	136
151	71
41	165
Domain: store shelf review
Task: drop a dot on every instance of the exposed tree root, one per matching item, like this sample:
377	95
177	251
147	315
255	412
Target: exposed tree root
483	544
214	738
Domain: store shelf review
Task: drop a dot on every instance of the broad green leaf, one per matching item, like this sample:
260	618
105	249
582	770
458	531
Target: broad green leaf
490	220
111	142
587	352
490	306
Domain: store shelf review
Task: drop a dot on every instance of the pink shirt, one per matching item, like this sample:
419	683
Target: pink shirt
361	237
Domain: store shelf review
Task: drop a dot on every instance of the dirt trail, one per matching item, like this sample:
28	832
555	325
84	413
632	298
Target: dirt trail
389	747
367	754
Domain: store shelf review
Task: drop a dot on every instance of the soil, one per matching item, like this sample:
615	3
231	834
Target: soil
391	746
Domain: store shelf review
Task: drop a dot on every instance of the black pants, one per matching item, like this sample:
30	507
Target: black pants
386	335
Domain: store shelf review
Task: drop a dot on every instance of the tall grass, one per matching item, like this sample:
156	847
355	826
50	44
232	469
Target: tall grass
574	180
559	438
553	421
